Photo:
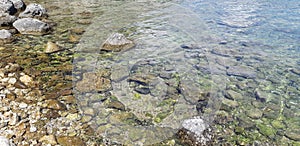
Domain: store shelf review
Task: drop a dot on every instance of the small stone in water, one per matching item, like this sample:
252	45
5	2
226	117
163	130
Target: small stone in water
52	48
22	105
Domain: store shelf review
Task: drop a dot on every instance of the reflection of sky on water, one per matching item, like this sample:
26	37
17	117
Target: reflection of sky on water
276	23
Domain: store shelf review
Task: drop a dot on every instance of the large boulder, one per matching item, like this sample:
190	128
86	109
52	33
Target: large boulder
6	19
34	11
6	6
117	42
31	26
5	36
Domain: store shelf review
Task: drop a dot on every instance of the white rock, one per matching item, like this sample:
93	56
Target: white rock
12	80
4	141
32	129
26	79
197	125
22	105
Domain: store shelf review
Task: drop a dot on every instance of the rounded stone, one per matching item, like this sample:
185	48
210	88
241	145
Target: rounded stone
254	113
4	141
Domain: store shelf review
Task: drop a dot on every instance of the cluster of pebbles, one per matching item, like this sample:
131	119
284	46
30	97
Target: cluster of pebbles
15	17
30	117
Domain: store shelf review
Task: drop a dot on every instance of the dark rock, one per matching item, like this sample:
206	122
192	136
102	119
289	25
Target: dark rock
19	4
261	96
241	71
5	36
142	90
20	85
31	26
6	19
6	6
116	105
117	42
34	11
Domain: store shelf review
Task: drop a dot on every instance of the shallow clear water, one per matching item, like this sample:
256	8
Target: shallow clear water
242	57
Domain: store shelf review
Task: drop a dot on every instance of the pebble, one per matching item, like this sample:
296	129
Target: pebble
22	105
48	139
52	48
26	79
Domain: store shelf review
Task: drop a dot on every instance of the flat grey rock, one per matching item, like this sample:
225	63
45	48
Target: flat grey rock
31	26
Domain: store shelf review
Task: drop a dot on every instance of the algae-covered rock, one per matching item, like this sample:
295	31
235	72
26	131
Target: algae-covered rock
266	130
117	42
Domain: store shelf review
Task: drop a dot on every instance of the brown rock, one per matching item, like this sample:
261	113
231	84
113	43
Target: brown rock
55	104
117	42
52	48
70	141
48	139
93	82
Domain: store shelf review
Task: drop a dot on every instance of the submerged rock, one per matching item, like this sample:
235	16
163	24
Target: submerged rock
241	71
34	11
93	82
5	36
6	19
6	6
52	48
195	132
117	42
31	26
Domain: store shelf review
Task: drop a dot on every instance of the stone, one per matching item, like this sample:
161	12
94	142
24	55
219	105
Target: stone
4	141
6	19
228	105
296	71
93	82
52	48
233	95
31	26
34	11
241	71
48	139
254	113
117	42
26	79
261	95
5	36
116	105
6	6
19	5
70	140
294	135
197	125
55	104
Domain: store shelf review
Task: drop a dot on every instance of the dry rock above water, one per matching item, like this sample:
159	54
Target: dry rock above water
117	42
6	19
5	36
31	26
6	6
34	11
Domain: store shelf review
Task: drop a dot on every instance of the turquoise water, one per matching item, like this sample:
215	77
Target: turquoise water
234	64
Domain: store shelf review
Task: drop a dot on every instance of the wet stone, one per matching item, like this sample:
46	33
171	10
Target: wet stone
116	105
241	71
254	113
293	134
93	82
233	95
117	42
70	140
52	48
31	26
